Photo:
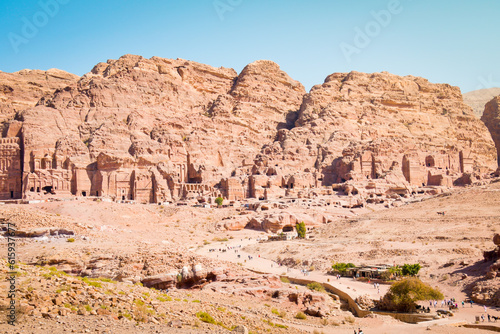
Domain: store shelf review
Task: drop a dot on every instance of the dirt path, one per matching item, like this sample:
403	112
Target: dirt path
234	253
234	248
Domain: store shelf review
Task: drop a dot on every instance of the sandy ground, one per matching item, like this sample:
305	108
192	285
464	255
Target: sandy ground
447	246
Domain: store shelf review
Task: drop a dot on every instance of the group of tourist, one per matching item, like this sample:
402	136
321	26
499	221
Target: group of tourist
489	317
360	331
305	272
452	303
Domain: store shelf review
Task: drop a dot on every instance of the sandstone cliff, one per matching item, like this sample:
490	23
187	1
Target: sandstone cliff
23	89
154	121
359	126
491	118
478	98
156	130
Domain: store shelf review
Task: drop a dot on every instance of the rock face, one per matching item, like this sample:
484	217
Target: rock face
159	130
491	118
478	98
359	126
487	290
22	90
151	130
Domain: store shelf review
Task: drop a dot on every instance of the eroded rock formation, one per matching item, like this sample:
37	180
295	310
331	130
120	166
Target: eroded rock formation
361	126
22	90
478	98
157	130
491	118
487	290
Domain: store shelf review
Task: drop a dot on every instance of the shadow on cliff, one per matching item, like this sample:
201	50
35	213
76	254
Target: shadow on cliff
290	119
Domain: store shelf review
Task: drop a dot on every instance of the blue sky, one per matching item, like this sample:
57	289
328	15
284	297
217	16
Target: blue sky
453	42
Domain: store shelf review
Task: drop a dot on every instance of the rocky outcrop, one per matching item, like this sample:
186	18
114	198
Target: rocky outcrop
277	222
494	254
487	290
491	118
22	90
150	122
478	98
43	231
159	130
269	286
359	126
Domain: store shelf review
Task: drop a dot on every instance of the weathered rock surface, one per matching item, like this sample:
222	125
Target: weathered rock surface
487	290
43	231
278	222
359	126
159	130
22	90
149	122
478	98
48	300
491	118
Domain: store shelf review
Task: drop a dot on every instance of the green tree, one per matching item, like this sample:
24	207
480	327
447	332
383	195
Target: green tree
403	295
219	201
395	270
410	269
301	229
342	267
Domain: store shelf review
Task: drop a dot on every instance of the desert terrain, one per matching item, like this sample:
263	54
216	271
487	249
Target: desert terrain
154	239
167	196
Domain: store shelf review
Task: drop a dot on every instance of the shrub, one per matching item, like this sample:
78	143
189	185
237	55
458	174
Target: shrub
301	229
315	286
70	240
205	317
411	269
90	282
138	302
284	279
342	267
141	313
107	280
300	316
219	201
403	295
272	324
165	298
218	239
